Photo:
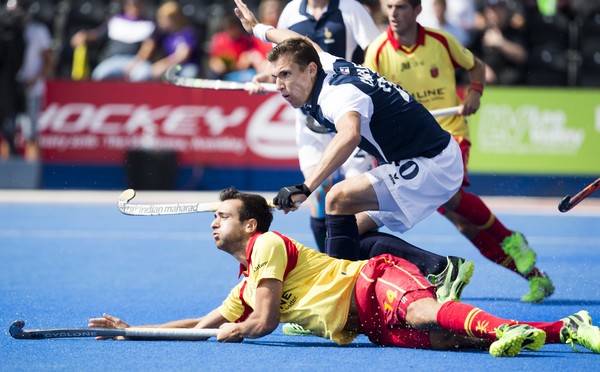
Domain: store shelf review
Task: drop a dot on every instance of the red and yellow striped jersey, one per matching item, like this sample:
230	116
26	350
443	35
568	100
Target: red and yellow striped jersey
426	70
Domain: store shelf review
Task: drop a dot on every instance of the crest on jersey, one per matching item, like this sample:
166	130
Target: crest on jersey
328	36
345	70
434	71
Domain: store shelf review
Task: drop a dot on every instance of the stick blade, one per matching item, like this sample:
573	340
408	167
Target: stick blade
171	74
565	205
16	329
126	196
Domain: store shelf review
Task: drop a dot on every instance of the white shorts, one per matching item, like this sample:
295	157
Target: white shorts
311	146
410	190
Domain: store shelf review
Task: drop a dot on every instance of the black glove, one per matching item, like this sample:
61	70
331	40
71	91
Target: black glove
284	196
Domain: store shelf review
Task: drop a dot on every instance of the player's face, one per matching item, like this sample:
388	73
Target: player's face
227	229
294	85
402	17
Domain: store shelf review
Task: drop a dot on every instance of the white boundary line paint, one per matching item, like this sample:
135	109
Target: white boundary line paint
498	204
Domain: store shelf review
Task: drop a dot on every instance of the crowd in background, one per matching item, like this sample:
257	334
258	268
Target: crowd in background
138	39
526	42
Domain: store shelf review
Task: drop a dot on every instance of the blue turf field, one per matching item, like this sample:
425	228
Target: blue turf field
64	262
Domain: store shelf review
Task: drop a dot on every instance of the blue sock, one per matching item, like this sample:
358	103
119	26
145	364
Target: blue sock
319	231
342	239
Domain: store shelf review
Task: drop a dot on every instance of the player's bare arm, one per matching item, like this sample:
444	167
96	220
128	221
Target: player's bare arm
339	149
263	320
212	320
472	99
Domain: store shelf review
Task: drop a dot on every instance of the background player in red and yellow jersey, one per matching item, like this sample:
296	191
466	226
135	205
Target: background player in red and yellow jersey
387	298
423	61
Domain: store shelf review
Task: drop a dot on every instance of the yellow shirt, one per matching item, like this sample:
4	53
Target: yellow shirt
425	70
316	288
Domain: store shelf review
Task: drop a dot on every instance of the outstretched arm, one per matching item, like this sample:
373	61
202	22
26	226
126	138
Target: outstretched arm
273	35
212	320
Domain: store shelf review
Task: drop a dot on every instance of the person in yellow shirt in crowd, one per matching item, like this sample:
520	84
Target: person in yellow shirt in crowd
423	61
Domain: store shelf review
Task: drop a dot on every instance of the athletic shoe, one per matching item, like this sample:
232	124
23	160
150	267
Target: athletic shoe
578	330
451	282
516	246
293	329
540	287
512	339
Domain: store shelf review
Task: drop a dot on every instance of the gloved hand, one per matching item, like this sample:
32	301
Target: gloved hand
284	196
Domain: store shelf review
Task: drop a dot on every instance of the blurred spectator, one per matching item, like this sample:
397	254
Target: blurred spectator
376	10
501	45
125	33
441	22
235	55
268	14
584	8
12	97
175	41
37	65
459	13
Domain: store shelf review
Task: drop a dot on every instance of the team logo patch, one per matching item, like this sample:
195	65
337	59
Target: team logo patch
434	71
344	70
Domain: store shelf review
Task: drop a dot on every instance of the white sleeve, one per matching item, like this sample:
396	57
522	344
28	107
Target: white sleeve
341	99
286	16
327	61
362	24
45	38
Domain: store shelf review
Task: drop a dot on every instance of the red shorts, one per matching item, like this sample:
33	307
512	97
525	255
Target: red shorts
385	288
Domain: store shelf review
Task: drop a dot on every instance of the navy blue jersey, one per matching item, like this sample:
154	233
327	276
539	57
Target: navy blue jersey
394	126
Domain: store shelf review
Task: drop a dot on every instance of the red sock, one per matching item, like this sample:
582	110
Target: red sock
468	320
552	330
474	210
489	247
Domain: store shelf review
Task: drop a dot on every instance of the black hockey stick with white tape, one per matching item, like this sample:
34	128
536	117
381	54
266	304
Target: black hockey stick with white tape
184	334
163	209
171	77
569	201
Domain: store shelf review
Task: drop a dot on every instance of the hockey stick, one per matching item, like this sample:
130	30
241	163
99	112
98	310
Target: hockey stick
163	209
160	209
569	201
445	111
170	76
188	334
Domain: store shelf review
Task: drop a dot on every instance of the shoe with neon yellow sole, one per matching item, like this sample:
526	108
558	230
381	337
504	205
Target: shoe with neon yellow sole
540	287
516	246
451	282
578	330
293	329
512	339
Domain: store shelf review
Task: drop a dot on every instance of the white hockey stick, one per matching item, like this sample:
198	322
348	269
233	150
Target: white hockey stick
445	111
160	209
163	209
171	77
184	334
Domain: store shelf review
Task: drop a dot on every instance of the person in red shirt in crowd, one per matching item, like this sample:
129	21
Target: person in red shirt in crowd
234	54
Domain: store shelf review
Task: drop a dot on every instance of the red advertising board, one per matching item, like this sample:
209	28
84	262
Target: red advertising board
98	122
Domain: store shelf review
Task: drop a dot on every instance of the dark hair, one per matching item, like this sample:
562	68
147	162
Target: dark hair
253	206
299	49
